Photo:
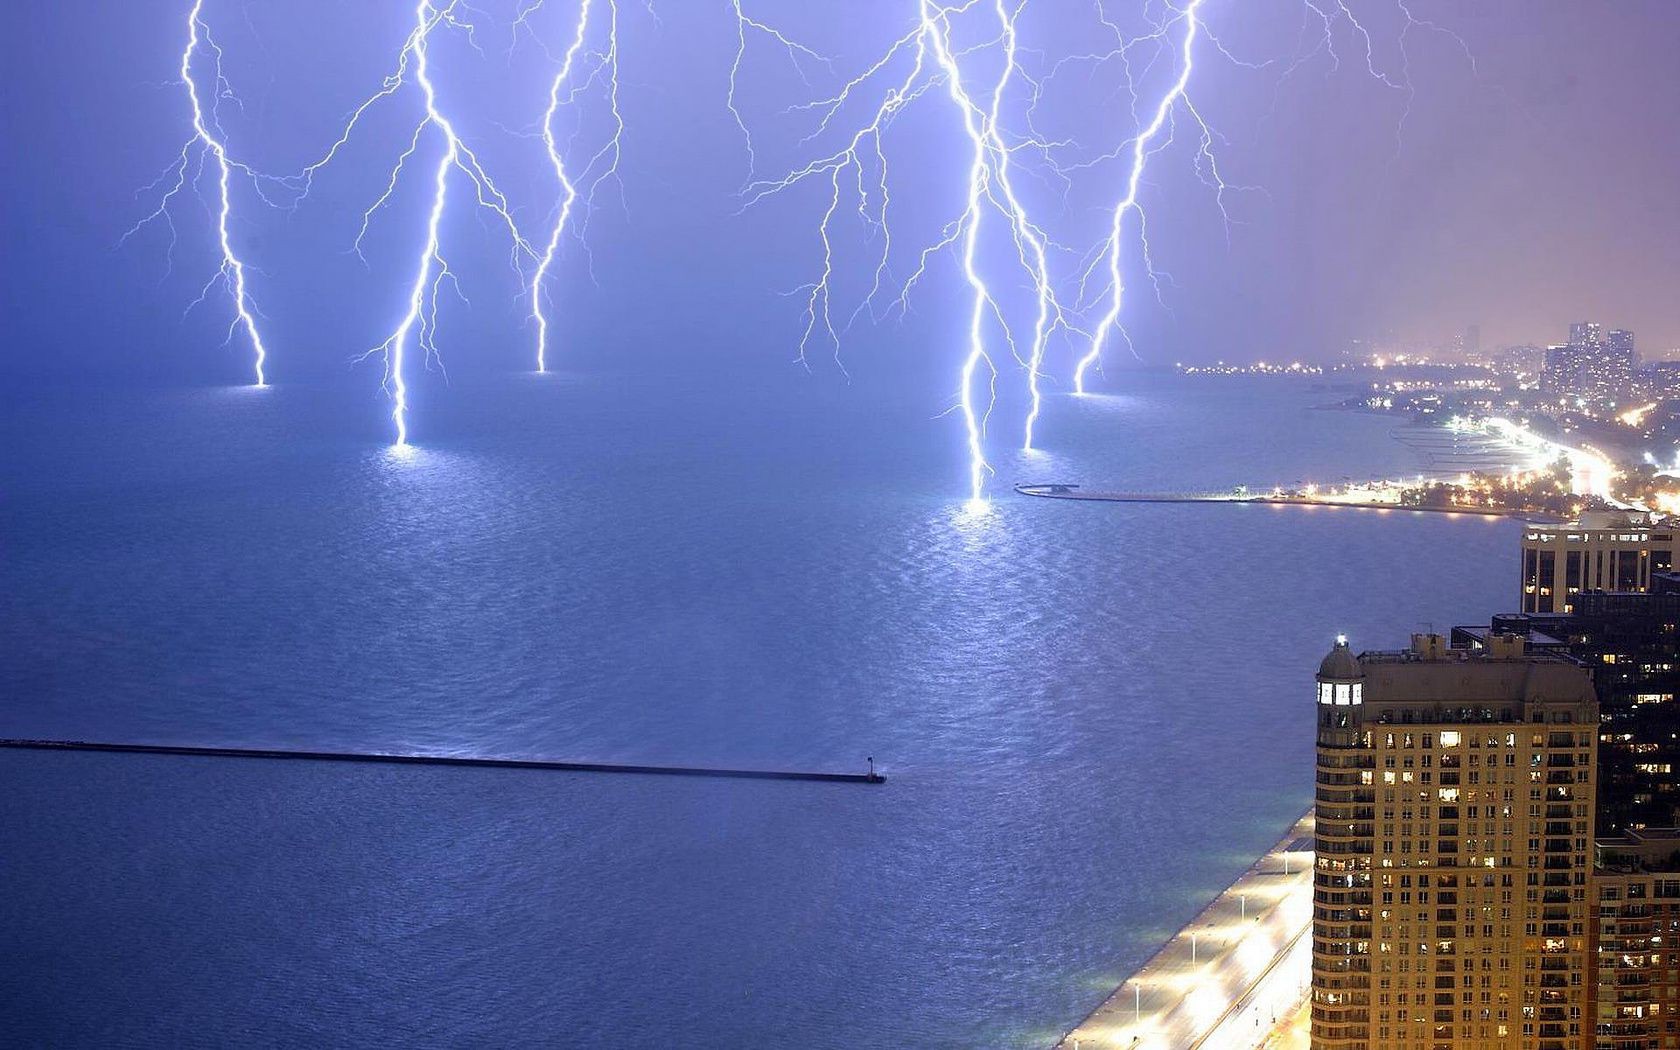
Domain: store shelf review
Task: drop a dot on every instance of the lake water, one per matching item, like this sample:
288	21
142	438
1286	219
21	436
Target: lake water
1093	716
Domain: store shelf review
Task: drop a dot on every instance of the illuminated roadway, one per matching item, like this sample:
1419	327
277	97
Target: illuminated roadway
1238	971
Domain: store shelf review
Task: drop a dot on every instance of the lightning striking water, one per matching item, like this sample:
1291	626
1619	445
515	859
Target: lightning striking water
208	139
564	90
924	58
969	51
417	327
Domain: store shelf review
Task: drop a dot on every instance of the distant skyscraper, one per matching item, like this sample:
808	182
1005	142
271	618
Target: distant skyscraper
1454	807
1561	374
1473	339
1586	333
1621	359
1595	371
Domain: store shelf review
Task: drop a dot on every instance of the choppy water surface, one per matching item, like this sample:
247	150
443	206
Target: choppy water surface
1093	716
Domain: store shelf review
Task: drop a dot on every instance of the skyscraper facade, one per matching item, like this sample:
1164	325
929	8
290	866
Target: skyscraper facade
1636	941
1586	333
1604	550
1631	644
1454	804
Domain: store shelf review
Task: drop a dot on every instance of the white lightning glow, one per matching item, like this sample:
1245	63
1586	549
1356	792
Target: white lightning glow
967	51
564	89
208	139
922	59
935	23
417	326
1140	152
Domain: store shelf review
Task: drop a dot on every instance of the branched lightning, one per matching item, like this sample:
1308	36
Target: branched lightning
418	324
431	267
601	166
1164	52
967	51
208	141
419	321
1140	149
922	59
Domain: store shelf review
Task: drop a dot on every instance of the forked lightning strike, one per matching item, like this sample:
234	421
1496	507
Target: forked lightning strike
1140	151
949	47
564	90
419	319
920	60
209	139
925	57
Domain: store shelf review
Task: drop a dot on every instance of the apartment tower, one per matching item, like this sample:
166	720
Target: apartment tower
1455	807
1604	551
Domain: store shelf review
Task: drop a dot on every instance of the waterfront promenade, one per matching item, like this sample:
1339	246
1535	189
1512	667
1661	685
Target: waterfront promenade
1233	978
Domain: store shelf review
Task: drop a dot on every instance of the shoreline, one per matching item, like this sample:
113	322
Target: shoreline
1073	492
1229	972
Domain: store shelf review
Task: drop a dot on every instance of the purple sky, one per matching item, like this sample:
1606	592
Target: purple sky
1539	189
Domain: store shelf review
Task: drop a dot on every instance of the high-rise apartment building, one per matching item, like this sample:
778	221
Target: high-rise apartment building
1593	370
1454	804
1604	550
1586	333
1636	941
1560	375
1631	644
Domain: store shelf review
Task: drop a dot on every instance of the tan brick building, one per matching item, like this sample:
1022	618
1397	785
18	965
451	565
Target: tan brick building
1451	888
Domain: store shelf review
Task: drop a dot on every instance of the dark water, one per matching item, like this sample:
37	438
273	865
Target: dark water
1093	716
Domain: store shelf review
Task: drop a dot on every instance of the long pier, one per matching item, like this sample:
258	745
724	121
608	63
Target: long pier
1075	492
870	777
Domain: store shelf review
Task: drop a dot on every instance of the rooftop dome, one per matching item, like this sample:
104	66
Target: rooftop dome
1341	663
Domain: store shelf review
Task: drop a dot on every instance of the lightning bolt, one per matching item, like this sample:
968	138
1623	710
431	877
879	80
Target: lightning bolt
417	327
1157	134
918	61
208	140
1140	153
861	111
600	167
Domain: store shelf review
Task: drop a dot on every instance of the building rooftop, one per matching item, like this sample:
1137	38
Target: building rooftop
1474	676
1534	642
1641	850
1503	671
1340	662
1606	521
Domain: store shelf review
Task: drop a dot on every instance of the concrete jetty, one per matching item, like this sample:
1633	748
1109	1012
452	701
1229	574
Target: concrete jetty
870	777
1238	971
1270	499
